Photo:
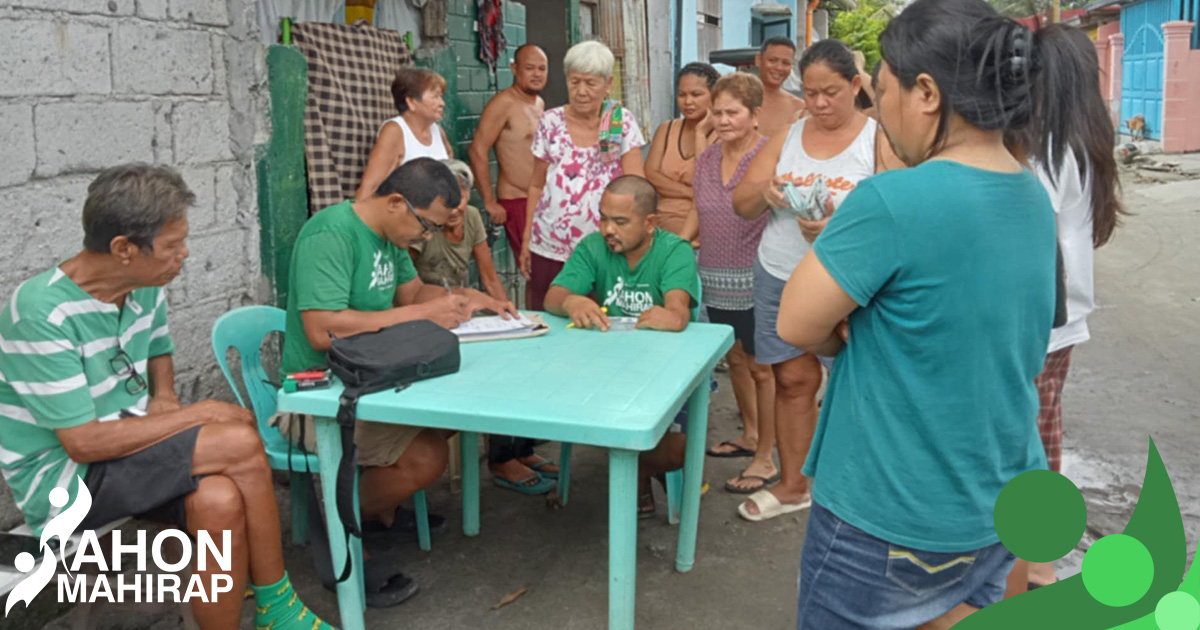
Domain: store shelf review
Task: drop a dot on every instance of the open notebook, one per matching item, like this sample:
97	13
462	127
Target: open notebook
495	327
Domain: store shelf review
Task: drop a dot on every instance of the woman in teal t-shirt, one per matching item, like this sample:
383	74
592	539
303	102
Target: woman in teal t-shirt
944	275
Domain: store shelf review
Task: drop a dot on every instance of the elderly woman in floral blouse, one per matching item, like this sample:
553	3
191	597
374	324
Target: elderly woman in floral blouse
579	148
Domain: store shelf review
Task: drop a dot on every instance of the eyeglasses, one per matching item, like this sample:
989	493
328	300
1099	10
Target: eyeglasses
122	366
429	227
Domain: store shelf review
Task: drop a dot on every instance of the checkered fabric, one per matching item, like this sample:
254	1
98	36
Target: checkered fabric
1050	385
350	72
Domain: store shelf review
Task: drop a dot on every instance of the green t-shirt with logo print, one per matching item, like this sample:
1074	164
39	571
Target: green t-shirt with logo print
338	263
593	268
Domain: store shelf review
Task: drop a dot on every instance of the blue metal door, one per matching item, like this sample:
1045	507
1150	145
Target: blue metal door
1142	74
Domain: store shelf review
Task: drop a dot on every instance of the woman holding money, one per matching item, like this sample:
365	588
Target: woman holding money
823	157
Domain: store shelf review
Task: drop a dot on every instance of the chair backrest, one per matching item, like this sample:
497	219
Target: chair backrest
244	330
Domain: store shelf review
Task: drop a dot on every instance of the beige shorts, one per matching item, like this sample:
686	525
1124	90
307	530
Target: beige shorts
379	444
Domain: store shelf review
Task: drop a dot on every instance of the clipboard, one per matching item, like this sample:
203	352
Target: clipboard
540	328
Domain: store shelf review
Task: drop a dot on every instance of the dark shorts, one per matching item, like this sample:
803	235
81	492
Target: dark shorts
742	323
850	579
542	272
151	484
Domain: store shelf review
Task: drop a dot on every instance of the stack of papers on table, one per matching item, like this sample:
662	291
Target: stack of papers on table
496	327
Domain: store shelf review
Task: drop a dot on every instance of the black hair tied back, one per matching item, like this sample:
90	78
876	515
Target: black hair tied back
984	64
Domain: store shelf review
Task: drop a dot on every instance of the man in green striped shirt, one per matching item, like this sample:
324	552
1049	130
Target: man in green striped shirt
87	396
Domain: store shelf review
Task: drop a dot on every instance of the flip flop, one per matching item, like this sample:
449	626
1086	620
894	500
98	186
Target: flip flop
769	507
543	486
548	474
386	587
739	450
766	481
646	508
405	522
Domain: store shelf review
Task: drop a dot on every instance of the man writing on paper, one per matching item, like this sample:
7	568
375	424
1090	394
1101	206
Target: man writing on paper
641	271
351	273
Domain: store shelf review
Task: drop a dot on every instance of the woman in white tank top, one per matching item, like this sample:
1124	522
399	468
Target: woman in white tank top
842	146
414	133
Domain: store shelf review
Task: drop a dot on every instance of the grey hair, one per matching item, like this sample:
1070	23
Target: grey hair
461	171
135	201
591	57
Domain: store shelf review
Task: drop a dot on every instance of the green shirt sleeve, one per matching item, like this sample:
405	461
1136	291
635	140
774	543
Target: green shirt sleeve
679	271
859	246
476	233
406	271
579	274
50	384
160	335
324	273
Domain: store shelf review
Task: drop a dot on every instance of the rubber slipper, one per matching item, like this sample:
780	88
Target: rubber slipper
548	474
405	522
543	485
395	590
646	507
769	507
739	450
766	481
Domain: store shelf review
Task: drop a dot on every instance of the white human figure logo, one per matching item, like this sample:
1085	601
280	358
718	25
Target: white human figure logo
615	292
62	527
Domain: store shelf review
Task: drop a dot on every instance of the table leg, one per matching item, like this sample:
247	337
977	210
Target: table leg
351	599
564	473
469	443
693	477
622	538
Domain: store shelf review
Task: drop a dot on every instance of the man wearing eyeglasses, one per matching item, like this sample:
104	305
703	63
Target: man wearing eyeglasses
85	353
351	273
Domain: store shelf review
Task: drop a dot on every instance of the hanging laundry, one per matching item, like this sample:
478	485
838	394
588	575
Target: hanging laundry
491	32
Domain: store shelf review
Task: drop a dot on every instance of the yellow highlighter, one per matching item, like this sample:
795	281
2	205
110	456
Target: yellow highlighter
603	309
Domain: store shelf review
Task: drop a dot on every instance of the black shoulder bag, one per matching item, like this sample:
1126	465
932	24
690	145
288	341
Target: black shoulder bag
393	357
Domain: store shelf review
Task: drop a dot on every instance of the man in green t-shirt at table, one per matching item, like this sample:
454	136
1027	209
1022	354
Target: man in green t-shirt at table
641	271
351	273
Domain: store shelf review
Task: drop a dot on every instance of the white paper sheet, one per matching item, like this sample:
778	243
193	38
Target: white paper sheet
492	325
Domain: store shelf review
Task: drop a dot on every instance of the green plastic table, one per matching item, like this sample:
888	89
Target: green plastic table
617	390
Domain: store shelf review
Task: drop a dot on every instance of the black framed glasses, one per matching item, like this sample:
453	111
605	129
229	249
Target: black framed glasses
428	226
123	367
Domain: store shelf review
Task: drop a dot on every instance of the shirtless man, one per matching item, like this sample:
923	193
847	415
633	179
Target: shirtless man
779	109
508	124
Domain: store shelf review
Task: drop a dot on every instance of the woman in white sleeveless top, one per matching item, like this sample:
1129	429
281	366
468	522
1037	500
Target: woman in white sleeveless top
414	133
842	146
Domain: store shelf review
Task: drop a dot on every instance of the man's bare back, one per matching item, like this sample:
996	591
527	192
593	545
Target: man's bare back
779	111
513	146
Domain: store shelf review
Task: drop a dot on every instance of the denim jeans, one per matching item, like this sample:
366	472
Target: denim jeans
851	579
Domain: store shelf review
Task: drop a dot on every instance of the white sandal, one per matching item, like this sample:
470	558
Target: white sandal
769	507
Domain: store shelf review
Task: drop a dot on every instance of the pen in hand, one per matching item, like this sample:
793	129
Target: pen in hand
446	284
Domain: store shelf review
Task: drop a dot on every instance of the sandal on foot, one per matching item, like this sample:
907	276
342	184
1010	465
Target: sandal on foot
645	506
543	485
548	474
739	450
405	522
769	507
766	482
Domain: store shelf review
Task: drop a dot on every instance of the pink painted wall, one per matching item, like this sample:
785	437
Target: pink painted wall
1181	90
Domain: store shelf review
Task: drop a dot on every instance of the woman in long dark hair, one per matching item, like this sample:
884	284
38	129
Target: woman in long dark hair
1072	153
945	272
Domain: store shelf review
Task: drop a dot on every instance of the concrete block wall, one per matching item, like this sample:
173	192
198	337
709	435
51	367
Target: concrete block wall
476	85
92	83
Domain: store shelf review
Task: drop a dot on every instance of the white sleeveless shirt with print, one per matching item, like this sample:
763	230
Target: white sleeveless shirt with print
782	244
413	148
